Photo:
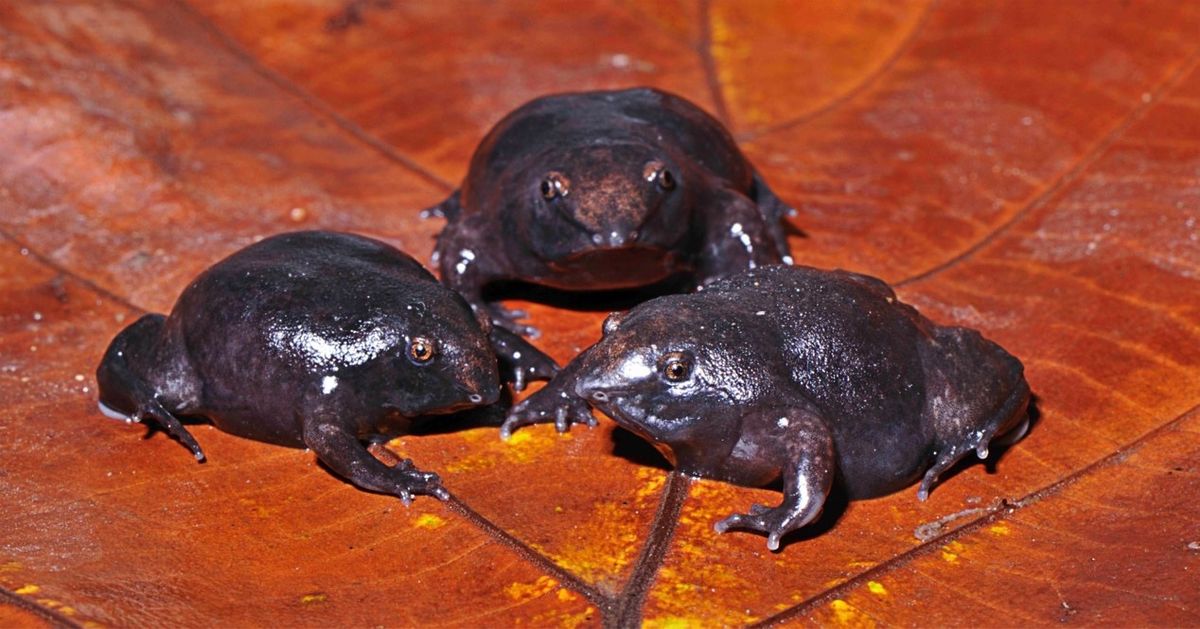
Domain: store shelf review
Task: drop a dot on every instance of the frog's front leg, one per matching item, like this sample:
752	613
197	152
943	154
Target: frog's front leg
556	402
736	238
467	268
522	359
469	259
804	441
775	213
339	449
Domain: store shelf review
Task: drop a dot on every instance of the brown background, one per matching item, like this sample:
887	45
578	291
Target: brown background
1031	169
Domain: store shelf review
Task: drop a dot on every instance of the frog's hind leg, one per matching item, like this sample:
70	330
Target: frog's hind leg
974	371
801	439
126	395
337	448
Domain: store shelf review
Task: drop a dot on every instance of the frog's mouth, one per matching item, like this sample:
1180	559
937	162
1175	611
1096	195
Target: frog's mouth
608	268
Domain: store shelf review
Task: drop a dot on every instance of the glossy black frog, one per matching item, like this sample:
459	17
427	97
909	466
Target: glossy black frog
307	339
793	373
605	190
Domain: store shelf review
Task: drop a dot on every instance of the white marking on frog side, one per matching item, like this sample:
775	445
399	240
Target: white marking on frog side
788	260
516	355
740	233
465	257
354	347
783	422
328	384
761	313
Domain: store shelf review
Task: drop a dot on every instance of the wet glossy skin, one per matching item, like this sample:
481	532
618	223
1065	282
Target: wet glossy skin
793	373
309	339
605	190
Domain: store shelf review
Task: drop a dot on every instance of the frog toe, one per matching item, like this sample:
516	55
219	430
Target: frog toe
544	407
775	522
410	481
152	410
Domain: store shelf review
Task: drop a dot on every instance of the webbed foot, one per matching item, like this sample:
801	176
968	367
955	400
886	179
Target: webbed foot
774	521
344	454
408	480
509	319
549	404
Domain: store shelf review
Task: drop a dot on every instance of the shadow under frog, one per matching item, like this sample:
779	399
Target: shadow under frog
812	378
308	339
604	191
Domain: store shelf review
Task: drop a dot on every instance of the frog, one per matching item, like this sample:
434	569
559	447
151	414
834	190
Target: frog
314	339
605	190
810	379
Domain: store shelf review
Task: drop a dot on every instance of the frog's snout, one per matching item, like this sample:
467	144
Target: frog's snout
589	390
482	395
606	376
597	388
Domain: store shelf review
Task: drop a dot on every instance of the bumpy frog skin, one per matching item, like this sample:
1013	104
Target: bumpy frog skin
605	190
793	373
307	339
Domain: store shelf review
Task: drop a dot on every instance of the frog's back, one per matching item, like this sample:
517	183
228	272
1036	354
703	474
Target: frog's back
278	313
855	352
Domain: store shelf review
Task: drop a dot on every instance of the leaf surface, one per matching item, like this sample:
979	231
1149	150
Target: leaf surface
1031	170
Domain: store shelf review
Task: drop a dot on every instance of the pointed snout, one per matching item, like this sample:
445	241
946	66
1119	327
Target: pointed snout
481	394
593	389
609	376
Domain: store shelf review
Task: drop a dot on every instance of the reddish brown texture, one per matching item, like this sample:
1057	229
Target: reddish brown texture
1028	169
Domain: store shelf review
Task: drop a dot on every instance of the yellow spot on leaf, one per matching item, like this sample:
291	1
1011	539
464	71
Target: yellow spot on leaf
951	551
519	438
848	615
430	521
672	622
524	446
28	589
877	588
10	566
309	599
525	591
557	618
565	595
999	528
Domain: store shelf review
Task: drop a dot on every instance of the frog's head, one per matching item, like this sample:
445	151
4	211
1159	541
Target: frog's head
678	371
611	214
442	357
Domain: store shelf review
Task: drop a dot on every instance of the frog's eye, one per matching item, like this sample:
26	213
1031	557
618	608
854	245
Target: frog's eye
421	350
656	172
666	179
676	367
554	186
